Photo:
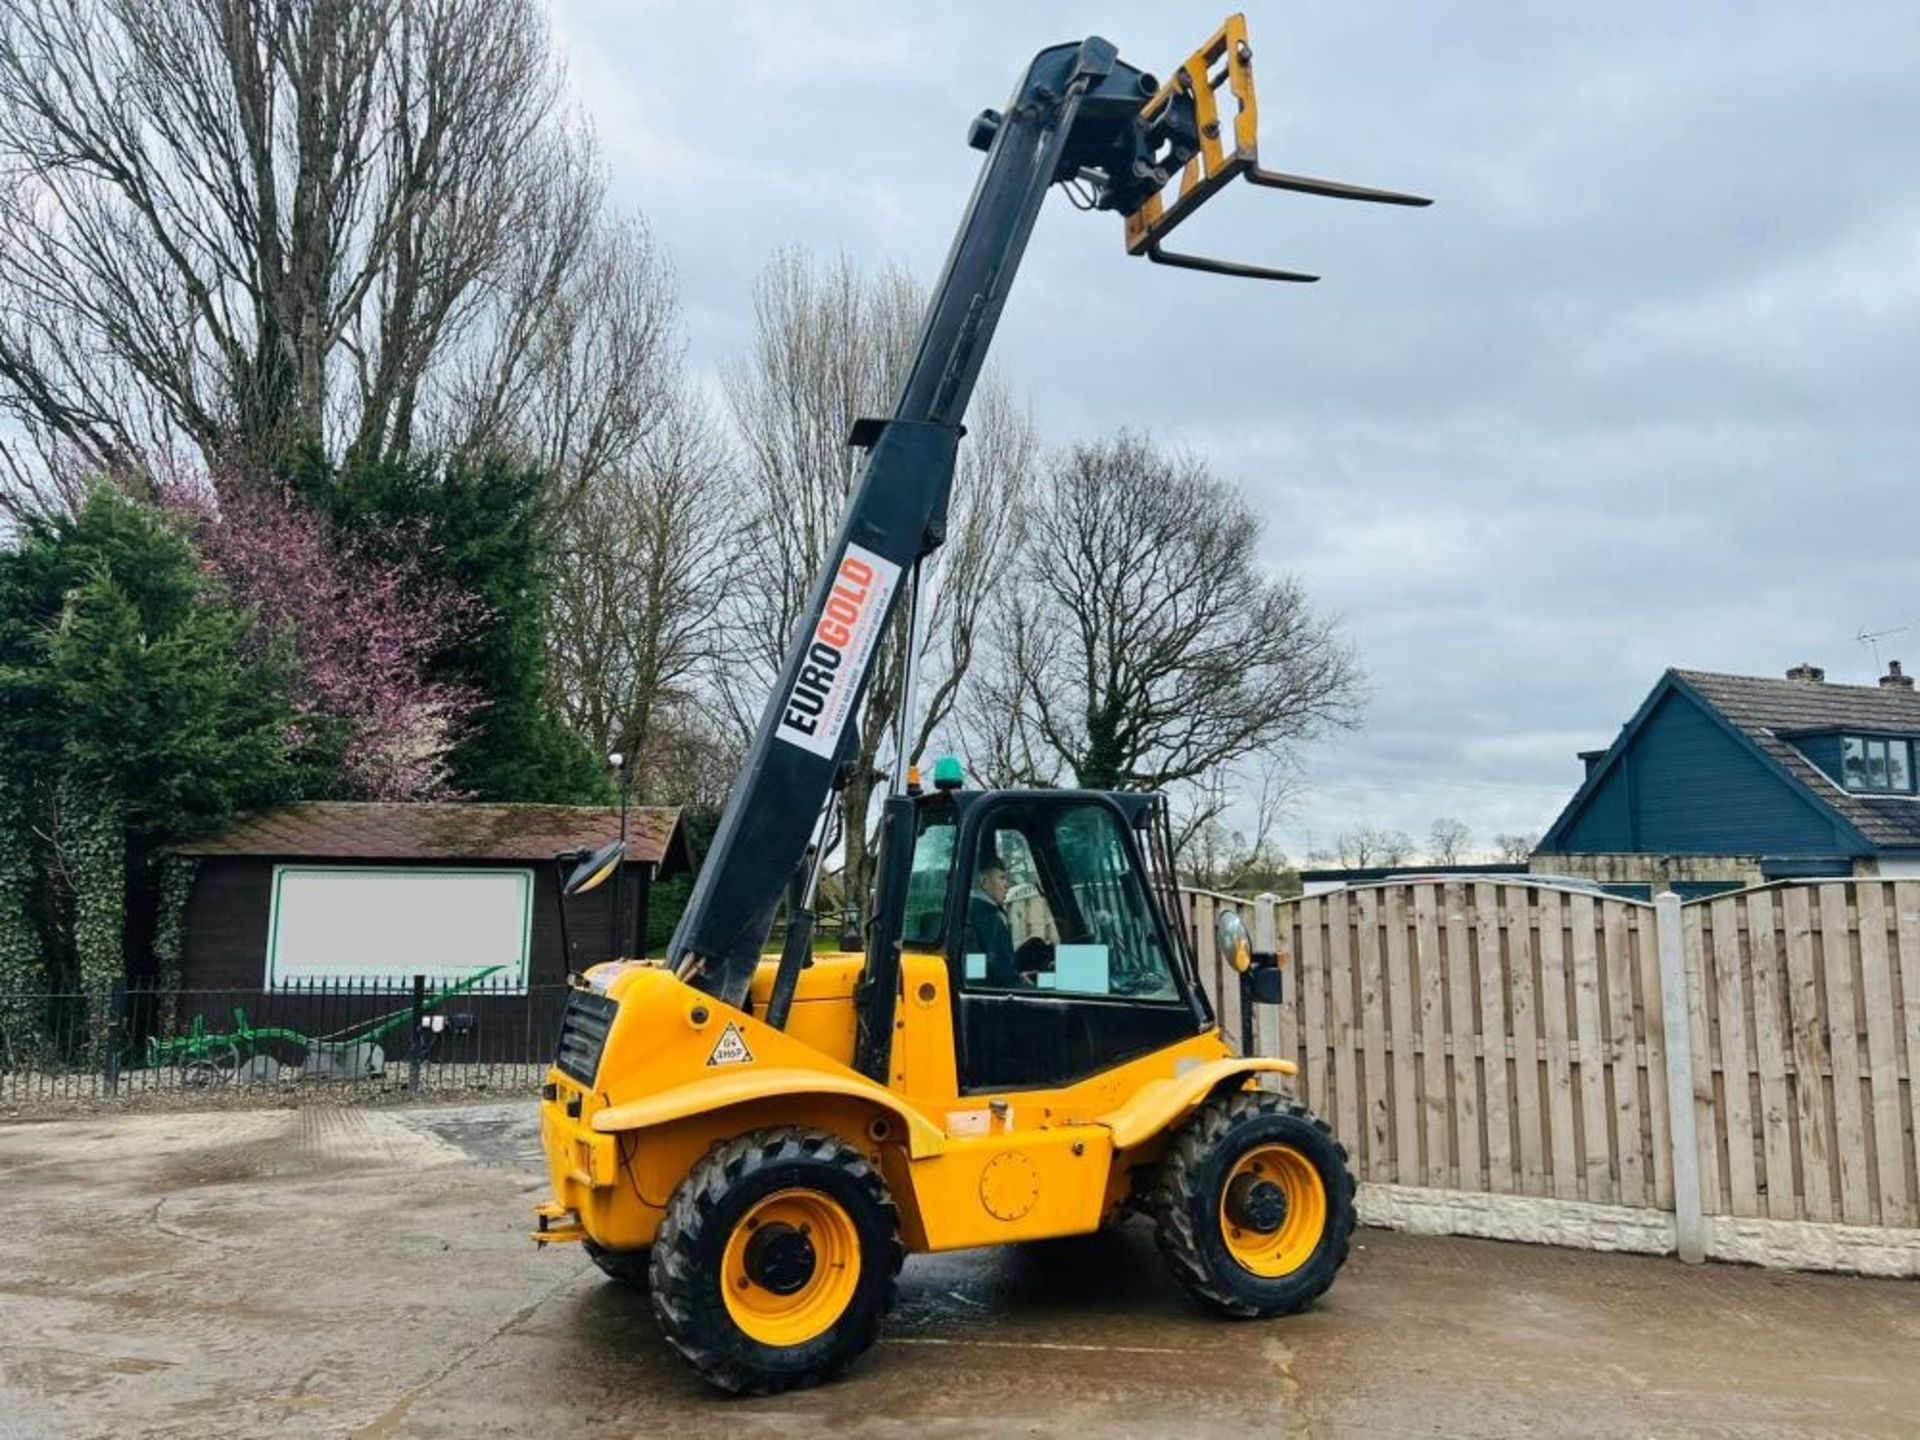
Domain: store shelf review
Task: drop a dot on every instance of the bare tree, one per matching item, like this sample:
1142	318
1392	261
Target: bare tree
1368	846
1144	646
691	762
240	226
579	361
1396	847
1215	857
831	345
1448	840
1357	848
986	528
1514	849
1198	806
1001	751
639	559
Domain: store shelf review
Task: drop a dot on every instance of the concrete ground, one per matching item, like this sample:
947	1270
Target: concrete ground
353	1272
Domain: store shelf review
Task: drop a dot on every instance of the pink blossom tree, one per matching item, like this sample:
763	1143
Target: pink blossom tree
364	632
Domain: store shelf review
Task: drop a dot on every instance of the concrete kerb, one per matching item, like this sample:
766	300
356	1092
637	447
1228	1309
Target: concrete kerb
1773	1244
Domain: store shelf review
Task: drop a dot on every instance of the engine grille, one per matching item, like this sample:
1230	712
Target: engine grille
583	1034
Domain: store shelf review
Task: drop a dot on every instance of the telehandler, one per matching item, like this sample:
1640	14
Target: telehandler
1024	1051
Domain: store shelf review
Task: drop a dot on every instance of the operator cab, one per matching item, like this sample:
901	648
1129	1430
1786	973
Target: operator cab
1053	924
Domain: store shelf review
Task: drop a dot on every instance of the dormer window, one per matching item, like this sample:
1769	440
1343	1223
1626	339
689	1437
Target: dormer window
1875	763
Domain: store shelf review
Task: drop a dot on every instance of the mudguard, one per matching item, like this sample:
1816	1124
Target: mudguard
1161	1104
719	1092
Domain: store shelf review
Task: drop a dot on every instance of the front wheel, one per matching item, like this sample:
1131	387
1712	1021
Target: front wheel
776	1261
1254	1205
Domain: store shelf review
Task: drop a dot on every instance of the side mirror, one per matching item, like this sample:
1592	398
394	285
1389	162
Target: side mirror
593	871
1231	941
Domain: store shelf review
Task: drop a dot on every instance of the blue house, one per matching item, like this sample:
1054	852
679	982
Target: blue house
1720	781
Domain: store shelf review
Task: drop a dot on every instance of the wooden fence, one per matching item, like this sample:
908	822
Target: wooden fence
1199	909
1804	1006
1511	1040
1485	1037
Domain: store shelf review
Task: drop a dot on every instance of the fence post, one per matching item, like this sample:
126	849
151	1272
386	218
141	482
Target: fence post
419	1019
1266	941
1689	1223
116	1029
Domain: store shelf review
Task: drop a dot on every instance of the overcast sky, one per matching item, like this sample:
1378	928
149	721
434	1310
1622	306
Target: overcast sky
1638	391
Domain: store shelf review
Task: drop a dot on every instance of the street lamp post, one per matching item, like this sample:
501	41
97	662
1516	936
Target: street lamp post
616	928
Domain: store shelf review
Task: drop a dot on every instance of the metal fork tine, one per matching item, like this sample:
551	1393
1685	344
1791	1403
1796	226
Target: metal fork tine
1332	189
1224	267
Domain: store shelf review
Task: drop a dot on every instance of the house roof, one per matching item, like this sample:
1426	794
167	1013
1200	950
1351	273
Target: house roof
1767	711
443	830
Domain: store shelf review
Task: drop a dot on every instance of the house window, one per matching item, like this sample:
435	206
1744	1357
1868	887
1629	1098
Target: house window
1870	763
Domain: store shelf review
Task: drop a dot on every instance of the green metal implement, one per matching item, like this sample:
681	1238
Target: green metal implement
206	1056
202	1044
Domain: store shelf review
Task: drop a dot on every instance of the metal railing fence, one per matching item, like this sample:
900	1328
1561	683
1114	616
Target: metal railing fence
120	1042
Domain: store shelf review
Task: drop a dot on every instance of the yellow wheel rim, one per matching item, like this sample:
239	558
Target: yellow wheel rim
1273	1210
791	1267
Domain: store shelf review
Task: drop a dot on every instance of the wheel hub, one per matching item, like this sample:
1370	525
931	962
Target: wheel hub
1256	1203
1273	1210
780	1258
791	1267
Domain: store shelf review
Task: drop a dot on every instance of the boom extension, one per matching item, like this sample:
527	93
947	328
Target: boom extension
1079	116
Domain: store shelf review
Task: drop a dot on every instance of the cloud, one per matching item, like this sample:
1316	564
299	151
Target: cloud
1864	281
1636	392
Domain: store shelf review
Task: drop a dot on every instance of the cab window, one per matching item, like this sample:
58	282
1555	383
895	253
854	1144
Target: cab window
1055	905
924	926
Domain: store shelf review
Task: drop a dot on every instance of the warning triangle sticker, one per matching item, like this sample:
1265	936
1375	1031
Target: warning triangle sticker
730	1049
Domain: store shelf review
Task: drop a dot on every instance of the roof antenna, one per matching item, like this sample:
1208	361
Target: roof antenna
1872	638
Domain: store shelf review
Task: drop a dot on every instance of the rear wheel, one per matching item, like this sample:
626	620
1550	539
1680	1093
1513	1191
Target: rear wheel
628	1267
1254	1206
776	1260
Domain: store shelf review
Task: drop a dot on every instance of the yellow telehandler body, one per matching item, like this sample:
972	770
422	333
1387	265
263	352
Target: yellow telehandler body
1025	1050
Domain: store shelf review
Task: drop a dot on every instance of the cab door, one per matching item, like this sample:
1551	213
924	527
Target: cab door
1093	980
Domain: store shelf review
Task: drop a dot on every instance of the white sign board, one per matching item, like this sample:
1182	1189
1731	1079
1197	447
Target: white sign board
828	681
346	923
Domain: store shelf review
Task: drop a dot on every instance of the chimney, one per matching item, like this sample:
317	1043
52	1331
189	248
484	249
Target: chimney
1810	674
1896	678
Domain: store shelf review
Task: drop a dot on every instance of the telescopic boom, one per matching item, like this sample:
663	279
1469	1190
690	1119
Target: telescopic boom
1080	116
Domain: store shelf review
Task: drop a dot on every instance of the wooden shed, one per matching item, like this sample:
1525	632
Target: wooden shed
360	892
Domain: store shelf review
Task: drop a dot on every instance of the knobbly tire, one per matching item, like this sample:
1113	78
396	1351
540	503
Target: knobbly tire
1254	1207
626	1267
776	1261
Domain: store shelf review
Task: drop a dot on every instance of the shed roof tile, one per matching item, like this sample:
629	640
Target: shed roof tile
438	830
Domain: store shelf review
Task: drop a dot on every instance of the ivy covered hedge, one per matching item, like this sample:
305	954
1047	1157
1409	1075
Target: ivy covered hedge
177	874
136	710
165	666
23	970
